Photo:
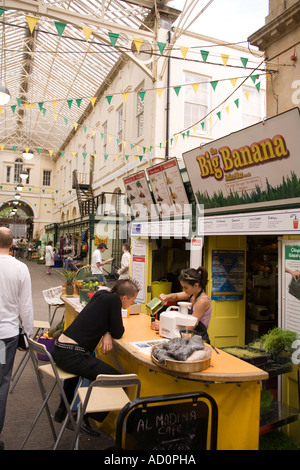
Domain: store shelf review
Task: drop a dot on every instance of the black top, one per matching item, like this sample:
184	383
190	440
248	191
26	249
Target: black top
101	314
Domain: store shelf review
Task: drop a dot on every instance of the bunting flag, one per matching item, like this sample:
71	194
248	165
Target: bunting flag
31	21
161	47
138	43
159	92
225	58
195	87
113	38
2	10
125	96
184	51
204	55
177	89
93	100
109	97
87	32
214	84
60	27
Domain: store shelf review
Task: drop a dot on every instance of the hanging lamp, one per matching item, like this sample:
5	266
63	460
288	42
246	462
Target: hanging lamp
28	154
23	174
18	196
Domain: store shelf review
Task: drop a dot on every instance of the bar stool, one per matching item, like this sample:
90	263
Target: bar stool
40	326
106	393
59	375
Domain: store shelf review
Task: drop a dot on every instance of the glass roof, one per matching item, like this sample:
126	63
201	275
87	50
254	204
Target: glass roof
54	71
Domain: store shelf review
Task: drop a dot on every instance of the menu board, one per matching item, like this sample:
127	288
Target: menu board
168	188
138	266
139	195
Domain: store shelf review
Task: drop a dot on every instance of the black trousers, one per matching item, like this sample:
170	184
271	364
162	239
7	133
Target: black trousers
79	361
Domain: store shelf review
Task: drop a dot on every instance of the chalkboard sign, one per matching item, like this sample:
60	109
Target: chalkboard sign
169	422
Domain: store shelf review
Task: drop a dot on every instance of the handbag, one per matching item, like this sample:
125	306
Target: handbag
23	341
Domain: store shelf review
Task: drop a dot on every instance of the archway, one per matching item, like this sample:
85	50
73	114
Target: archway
18	216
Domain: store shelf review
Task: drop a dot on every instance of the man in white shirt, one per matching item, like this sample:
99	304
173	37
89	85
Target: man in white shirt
15	304
124	271
98	262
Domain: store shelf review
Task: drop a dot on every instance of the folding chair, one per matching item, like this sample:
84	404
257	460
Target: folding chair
52	297
59	375
106	393
40	326
187	421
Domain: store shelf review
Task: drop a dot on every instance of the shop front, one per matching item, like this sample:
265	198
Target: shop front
248	185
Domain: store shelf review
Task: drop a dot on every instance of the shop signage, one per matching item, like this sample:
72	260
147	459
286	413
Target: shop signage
138	194
164	229
255	223
256	166
227	275
168	188
291	294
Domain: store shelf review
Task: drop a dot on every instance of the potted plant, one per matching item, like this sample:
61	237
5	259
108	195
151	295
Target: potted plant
69	275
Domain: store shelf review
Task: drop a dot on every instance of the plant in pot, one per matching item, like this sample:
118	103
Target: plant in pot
69	275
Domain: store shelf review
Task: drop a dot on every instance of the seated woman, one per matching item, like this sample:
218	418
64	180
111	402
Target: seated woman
193	282
99	320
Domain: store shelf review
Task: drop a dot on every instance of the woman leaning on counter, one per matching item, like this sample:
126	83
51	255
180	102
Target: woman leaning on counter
193	283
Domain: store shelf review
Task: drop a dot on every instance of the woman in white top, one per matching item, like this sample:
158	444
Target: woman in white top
49	257
124	271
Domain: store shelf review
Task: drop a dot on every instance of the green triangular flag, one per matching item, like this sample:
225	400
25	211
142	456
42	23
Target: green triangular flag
60	27
131	146
109	97
44	111
257	86
78	101
84	154
84	128
126	156
214	84
40	106
161	47
117	140
142	95
183	135
244	61
113	38
106	156
14	148
188	133
219	115
202	125
13	108
204	55
66	121
253	78
2	10
39	151
237	102
70	103
102	135
62	152
141	157
177	89
19	101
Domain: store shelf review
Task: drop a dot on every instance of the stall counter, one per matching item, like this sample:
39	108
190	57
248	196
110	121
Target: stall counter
234	384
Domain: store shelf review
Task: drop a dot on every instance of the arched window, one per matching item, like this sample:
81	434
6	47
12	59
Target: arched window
17	170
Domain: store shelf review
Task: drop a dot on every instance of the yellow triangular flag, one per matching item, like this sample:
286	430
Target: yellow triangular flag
93	100
136	157
31	21
2	146
184	51
159	92
247	95
194	129
94	132
87	32
176	137
73	154
124	144
55	116
26	105
138	43
225	58
1	109
31	105
233	81
125	96
95	155
137	147
227	109
109	138
75	125
210	121
54	103
27	149
195	87
116	156
51	152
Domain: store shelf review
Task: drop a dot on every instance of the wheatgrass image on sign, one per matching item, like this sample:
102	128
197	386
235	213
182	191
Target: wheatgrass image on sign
256	166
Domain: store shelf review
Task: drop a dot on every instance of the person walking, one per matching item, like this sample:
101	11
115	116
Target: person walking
124	271
49	257
98	262
15	305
